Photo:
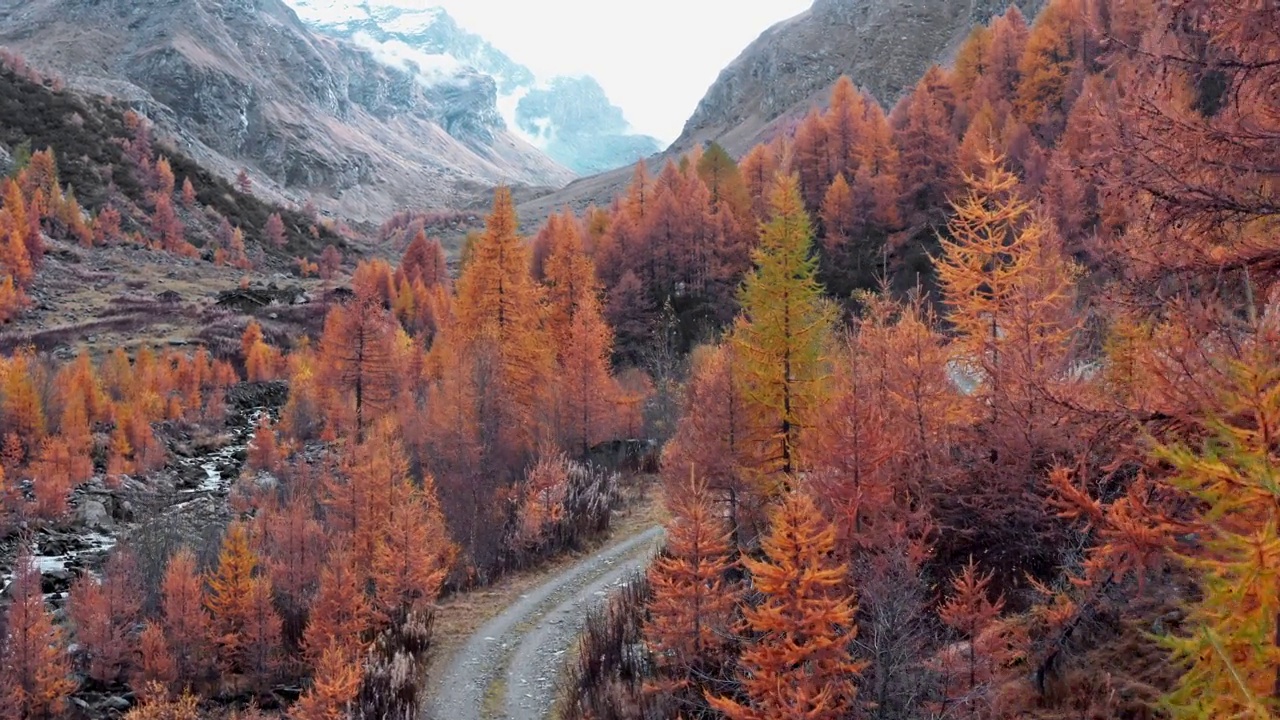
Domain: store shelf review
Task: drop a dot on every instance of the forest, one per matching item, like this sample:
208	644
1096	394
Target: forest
967	409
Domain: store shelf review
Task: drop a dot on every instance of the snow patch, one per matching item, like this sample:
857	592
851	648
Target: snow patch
431	69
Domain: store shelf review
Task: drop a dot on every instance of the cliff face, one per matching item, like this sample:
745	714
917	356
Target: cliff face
884	45
478	90
244	82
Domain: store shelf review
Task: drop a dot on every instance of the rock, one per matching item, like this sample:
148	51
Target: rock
55	582
117	703
6	161
93	514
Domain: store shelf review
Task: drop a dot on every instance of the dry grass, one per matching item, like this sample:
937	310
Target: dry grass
106	297
460	616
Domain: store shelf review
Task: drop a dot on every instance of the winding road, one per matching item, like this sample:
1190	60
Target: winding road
507	670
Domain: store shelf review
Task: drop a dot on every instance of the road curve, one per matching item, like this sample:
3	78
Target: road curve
507	669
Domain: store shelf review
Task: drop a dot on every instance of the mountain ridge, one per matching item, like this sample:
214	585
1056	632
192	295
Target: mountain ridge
246	83
571	118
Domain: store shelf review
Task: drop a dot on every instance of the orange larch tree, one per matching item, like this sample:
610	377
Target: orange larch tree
186	623
355	354
410	564
334	686
34	669
973	670
693	606
796	661
105	614
341	615
229	597
586	387
498	326
274	231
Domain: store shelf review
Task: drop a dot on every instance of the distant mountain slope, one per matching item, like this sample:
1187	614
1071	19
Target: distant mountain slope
571	119
244	82
883	45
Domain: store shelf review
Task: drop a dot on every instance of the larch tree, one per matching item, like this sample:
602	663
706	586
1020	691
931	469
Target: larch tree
410	564
341	615
360	501
711	440
105	614
334	686
569	277
796	661
35	675
810	162
259	636
724	180
424	262
186	623
230	593
587	389
694	602
928	151
844	125
498	321
156	664
330	262
1229	648
274	231
972	671
782	338
759	167
356	362
1009	292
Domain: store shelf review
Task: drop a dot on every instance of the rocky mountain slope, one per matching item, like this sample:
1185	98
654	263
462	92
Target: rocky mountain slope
571	119
883	45
245	83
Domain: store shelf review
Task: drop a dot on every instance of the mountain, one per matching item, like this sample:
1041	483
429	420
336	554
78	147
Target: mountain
246	83
883	45
574	122
569	118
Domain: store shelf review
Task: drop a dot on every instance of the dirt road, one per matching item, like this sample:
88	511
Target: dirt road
507	669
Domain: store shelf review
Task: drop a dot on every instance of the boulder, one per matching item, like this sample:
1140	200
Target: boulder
94	514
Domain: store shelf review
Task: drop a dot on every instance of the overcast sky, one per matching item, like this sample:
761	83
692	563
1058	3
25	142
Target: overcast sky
655	58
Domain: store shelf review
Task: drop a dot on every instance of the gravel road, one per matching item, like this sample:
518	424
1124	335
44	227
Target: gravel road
507	670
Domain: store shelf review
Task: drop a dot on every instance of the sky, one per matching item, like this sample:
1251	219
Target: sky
655	58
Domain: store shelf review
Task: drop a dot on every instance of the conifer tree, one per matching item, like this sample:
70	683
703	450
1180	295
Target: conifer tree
796	661
340	616
229	600
587	389
781	340
498	318
693	603
334	686
1229	649
410	563
185	622
970	677
274	231
105	613
34	672
759	168
723	179
355	352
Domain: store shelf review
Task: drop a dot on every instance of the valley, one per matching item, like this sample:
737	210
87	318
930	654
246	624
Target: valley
350	369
